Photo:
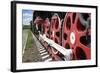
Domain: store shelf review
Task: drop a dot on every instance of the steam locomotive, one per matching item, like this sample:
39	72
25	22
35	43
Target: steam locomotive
70	30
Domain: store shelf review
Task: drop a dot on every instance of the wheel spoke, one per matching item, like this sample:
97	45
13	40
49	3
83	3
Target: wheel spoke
73	25
86	50
81	33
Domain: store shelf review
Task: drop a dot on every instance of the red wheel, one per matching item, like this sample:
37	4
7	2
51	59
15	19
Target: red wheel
55	31
46	26
76	35
38	20
39	23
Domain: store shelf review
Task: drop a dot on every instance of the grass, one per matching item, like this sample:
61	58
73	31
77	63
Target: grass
29	43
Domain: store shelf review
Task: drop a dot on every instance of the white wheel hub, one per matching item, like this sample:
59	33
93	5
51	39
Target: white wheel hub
72	37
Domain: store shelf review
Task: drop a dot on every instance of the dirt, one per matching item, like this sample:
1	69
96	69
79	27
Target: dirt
31	54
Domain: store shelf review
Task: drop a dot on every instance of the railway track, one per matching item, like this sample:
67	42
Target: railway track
42	51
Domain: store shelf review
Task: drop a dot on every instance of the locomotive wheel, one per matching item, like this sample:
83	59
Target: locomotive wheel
75	34
46	26
55	31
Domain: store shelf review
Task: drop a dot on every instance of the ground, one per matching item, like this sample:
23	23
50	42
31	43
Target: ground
31	53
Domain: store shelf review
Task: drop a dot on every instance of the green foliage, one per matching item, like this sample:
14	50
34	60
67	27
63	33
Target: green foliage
26	26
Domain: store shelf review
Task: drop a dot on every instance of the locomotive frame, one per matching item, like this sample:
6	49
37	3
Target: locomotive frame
17	66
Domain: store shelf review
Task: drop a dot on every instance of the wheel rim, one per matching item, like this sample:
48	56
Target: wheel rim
73	31
46	26
55	31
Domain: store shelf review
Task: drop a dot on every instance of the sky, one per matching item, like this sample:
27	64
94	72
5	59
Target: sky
27	16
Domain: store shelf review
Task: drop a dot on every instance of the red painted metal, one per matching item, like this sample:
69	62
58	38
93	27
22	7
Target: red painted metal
55	33
73	30
73	25
45	24
38	21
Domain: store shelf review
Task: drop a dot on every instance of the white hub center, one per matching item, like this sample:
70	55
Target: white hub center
72	37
